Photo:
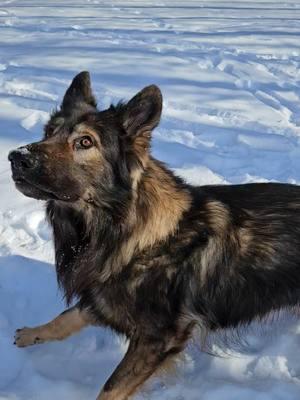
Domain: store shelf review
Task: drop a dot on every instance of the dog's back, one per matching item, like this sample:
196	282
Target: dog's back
250	265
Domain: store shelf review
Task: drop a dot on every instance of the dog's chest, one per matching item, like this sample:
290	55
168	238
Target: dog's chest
140	299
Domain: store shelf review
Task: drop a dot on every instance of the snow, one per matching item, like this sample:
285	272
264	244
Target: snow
230	75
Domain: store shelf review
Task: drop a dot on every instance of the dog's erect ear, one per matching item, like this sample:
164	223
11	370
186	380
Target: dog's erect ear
80	91
142	113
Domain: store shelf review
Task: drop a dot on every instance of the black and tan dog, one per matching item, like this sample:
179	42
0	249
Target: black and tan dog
143	252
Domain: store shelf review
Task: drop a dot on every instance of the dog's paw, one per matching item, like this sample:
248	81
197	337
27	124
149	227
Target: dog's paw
27	337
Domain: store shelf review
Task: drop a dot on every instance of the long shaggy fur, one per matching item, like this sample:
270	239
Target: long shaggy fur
149	255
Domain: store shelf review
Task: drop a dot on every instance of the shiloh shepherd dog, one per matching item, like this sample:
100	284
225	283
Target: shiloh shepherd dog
143	252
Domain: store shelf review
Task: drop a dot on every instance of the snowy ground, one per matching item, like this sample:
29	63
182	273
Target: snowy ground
229	72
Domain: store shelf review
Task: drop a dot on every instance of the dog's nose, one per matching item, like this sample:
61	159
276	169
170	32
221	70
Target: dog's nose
22	159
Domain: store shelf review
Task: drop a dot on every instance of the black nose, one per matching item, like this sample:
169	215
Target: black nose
22	159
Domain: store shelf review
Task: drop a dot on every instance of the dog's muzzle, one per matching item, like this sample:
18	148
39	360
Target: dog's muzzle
23	161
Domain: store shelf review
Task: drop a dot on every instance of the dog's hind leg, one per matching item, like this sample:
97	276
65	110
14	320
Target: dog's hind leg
66	324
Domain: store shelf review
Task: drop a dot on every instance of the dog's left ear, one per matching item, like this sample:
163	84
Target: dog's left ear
142	113
80	91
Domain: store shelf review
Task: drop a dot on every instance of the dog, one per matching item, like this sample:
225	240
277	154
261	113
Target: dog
144	253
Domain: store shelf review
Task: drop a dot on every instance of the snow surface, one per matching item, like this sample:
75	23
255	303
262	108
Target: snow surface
229	72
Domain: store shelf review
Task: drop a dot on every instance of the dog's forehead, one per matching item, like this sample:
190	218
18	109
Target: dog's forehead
61	123
57	126
57	123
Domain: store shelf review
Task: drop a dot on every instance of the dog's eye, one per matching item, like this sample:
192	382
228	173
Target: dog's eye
84	142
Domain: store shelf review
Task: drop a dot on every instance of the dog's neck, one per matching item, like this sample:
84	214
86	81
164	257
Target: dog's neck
157	205
103	244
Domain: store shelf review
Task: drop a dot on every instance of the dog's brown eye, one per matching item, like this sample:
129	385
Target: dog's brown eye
84	143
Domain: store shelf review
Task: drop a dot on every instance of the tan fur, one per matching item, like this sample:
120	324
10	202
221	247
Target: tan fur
248	237
168	369
245	239
140	146
143	360
164	205
218	216
139	363
63	326
113	395
210	256
136	177
267	249
225	232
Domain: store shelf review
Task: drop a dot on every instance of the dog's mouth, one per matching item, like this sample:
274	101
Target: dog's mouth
39	192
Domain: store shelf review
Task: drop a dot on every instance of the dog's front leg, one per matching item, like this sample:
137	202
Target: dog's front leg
143	358
64	325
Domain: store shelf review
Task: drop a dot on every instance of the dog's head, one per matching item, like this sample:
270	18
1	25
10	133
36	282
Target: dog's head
86	152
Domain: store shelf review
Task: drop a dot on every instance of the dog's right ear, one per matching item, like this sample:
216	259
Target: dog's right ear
80	91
